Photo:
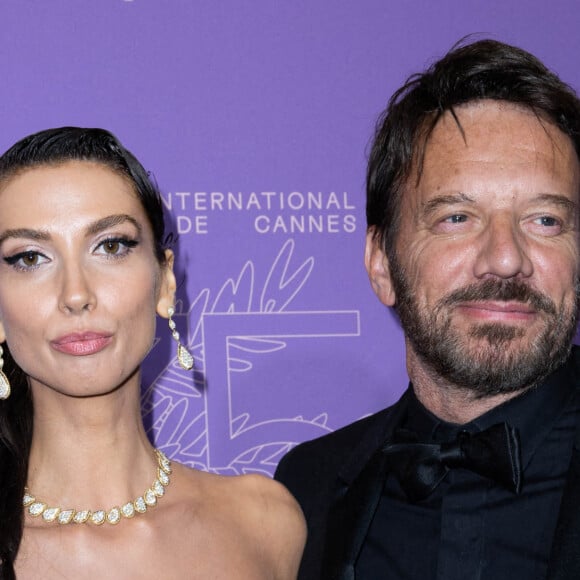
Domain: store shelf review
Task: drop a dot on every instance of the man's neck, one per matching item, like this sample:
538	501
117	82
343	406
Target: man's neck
446	400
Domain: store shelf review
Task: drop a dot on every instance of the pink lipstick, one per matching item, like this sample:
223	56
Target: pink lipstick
81	343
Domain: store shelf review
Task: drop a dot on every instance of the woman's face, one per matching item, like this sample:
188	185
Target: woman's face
79	281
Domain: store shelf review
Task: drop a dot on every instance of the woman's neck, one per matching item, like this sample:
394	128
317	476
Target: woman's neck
89	452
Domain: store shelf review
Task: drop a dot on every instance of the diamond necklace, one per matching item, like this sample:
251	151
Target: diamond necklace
38	508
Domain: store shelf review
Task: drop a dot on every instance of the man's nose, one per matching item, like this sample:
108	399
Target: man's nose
503	251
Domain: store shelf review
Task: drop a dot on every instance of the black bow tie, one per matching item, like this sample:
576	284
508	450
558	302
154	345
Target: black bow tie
493	453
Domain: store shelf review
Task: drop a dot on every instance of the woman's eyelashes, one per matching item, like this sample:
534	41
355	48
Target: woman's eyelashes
26	261
111	248
116	246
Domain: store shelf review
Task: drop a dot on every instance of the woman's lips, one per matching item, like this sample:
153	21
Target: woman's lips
81	344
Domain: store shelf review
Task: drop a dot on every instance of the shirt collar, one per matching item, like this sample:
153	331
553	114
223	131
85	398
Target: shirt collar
533	413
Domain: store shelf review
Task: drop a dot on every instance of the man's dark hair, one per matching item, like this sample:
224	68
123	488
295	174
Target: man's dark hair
485	69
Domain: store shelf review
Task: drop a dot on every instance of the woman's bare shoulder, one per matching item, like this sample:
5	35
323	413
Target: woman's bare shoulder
252	496
268	498
262	510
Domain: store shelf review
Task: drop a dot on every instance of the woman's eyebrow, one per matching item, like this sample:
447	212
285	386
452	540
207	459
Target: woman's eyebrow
111	221
26	233
94	228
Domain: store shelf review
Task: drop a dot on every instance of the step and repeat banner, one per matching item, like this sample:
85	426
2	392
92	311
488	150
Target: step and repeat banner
255	119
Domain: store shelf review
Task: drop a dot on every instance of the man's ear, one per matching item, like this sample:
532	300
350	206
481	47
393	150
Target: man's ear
378	269
167	287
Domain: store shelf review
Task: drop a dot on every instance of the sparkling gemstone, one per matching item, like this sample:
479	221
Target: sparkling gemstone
158	488
184	357
163	477
114	515
66	516
150	498
98	517
36	508
140	505
82	516
4	386
172	325
50	514
170	311
166	466
128	510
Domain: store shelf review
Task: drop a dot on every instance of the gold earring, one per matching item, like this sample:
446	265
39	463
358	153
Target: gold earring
4	382
183	355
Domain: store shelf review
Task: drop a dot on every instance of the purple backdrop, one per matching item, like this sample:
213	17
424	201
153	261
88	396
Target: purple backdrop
255	122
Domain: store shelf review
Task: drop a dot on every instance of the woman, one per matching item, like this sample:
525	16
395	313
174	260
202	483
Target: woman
82	274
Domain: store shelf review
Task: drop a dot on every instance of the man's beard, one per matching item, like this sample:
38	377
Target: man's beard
486	359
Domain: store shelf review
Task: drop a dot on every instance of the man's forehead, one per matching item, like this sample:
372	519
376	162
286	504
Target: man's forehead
494	131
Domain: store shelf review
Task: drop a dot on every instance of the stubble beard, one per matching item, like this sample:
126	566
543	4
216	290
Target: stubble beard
490	358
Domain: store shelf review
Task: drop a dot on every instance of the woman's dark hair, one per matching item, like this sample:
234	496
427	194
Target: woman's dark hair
485	69
53	147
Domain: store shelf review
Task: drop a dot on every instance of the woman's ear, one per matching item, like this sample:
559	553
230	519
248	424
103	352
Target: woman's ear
167	286
378	269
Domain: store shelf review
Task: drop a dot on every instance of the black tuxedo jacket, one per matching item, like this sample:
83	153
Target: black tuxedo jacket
334	478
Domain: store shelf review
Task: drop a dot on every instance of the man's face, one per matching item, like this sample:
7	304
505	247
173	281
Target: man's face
485	268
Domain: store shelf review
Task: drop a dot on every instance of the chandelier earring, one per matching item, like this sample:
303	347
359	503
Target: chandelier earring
4	382
183	355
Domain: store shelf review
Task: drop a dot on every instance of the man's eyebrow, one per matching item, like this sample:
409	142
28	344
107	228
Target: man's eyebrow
561	200
441	200
26	233
111	221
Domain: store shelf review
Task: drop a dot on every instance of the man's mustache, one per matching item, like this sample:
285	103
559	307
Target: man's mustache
501	290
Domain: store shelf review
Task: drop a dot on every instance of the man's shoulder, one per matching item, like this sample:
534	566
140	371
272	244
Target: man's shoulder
346	438
318	462
575	357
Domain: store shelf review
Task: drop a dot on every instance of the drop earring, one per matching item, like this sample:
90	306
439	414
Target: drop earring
4	382
183	355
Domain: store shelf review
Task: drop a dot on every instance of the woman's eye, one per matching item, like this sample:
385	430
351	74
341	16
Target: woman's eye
111	247
26	260
30	259
116	247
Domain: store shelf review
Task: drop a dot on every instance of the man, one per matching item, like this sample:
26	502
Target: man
473	187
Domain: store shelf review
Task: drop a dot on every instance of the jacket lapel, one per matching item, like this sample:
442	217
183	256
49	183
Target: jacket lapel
565	556
356	499
349	520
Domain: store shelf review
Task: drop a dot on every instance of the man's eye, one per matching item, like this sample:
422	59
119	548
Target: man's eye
547	221
456	219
